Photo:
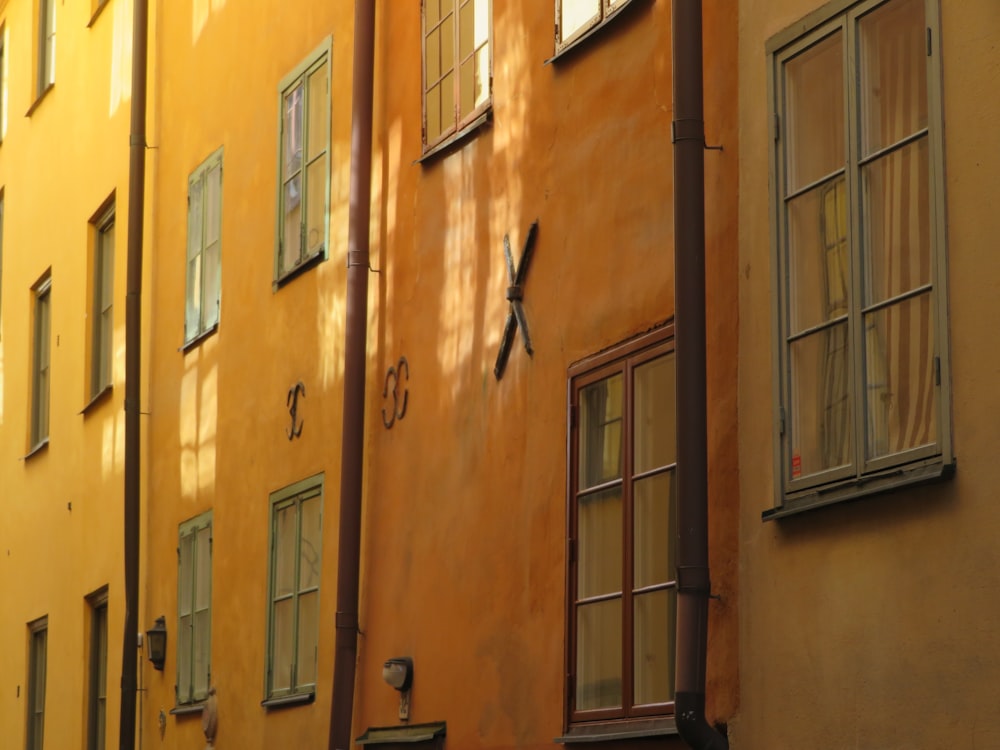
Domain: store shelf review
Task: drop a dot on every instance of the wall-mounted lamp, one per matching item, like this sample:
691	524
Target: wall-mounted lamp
398	673
156	643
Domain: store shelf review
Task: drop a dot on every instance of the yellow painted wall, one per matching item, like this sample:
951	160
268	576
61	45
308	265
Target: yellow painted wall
61	537
873	624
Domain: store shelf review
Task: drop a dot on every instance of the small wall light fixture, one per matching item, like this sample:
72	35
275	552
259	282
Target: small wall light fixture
156	643
398	673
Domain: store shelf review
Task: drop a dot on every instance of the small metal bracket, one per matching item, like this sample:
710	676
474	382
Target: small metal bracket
292	402
396	374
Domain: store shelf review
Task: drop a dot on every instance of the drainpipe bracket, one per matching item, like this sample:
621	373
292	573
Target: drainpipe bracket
687	130
347	621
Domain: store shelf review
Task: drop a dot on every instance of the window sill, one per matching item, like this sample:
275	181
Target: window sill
458	137
39	99
308	262
403	735
102	395
39	447
197	339
187	709
611	731
287	701
565	49
925	472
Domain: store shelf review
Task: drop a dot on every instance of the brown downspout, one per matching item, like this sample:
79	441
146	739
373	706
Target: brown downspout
693	585
133	370
355	354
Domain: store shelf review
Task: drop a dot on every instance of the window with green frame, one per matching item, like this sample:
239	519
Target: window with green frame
194	609
97	677
38	638
304	166
204	248
293	590
861	313
102	299
41	363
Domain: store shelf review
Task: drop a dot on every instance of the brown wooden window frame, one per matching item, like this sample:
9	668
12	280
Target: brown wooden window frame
461	123
623	359
38	632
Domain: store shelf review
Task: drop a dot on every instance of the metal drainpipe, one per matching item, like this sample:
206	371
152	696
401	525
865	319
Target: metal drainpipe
355	353
133	370
693	585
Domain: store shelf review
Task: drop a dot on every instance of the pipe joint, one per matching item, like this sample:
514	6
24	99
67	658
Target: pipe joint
689	129
693	579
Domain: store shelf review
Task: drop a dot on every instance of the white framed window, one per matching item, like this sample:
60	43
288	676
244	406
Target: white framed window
293	590
203	295
458	66
304	166
862	396
575	18
194	609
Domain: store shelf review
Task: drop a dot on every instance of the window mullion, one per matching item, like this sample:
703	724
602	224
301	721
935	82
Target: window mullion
856	244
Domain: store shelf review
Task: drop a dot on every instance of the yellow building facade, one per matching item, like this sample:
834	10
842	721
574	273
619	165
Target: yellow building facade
865	204
66	84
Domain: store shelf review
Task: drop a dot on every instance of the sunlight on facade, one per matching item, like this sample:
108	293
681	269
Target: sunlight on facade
200	12
461	256
385	183
199	409
121	58
113	445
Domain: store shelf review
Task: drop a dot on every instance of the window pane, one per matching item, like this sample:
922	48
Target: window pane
292	219
599	655
820	410
653	530
308	638
448	43
184	637
575	14
194	244
814	90
432	57
200	650
448	102
599	540
475	81
185	574
434	126
309	556
432	10
291	132
601	432
653	671
319	110
467	28
316	206
213	204
285	534
211	305
893	74
203	556
818	256
654	415
898	232
899	371
282	645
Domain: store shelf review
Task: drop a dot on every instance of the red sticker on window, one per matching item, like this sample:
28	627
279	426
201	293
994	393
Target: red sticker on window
796	465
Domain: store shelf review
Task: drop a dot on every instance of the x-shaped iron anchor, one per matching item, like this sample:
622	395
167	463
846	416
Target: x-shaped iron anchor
515	293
